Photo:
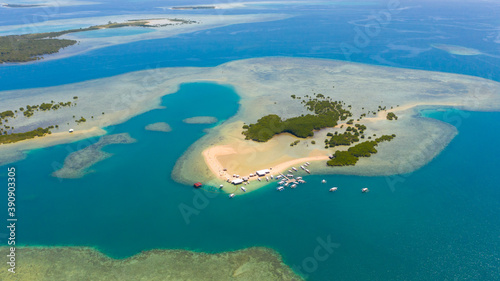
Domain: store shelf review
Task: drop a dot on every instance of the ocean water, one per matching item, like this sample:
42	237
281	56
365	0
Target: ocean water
437	223
112	32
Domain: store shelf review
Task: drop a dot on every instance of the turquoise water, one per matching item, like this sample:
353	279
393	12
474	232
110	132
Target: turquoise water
112	32
438	223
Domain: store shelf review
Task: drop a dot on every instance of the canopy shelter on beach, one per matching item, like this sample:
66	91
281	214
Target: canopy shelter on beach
261	173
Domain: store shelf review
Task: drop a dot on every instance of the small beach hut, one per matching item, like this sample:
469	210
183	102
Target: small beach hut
263	172
198	185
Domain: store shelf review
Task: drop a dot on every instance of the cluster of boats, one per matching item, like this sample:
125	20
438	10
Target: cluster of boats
288	180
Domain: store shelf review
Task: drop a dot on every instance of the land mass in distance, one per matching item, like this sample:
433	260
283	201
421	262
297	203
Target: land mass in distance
266	85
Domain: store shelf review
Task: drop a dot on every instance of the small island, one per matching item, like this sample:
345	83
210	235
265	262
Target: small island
32	47
193	8
200	120
21	5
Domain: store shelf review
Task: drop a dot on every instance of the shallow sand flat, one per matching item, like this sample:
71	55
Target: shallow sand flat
77	163
159	127
203	22
200	120
265	86
78	263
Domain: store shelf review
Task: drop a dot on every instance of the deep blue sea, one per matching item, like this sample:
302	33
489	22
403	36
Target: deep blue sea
440	222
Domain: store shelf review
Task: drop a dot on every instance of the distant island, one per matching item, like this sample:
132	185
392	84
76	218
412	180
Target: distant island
193	7
31	47
21	5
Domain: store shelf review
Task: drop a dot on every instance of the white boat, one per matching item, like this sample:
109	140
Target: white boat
333	189
272	177
221	186
308	163
231	195
295	169
298	178
302	181
323	181
280	188
308	171
278	177
302	167
71	131
259	179
243	189
364	190
267	178
290	171
293	186
290	175
286	184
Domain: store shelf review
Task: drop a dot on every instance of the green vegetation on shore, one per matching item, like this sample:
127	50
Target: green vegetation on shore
30	109
326	114
391	116
21	5
11	138
31	47
351	156
5	114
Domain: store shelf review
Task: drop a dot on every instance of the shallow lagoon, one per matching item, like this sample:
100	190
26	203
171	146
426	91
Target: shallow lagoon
438	223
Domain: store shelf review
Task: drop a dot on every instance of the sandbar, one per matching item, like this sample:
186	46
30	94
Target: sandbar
159	127
76	164
80	263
